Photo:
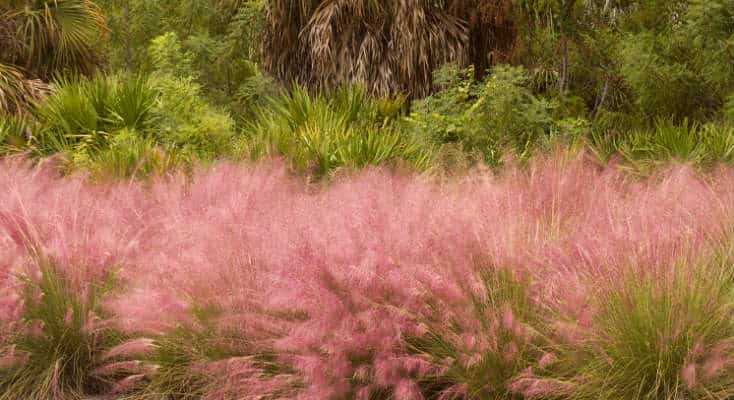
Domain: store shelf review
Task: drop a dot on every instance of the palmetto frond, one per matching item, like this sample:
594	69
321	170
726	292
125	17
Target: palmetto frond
17	92
40	38
53	35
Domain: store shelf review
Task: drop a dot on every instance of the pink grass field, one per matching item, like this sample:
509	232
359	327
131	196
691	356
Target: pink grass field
334	279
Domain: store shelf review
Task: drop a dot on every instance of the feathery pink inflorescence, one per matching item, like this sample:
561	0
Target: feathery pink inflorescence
357	266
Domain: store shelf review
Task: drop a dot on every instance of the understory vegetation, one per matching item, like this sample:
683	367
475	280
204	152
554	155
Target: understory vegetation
127	88
367	199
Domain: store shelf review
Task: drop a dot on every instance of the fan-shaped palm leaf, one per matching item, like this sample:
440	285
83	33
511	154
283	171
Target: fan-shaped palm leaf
56	34
16	91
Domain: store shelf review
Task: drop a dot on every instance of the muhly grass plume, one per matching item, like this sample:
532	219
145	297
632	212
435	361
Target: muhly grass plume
244	282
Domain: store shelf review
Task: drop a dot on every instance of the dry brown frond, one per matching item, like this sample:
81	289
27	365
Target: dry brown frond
17	92
390	46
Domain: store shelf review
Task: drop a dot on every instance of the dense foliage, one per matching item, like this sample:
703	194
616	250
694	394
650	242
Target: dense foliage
480	80
366	199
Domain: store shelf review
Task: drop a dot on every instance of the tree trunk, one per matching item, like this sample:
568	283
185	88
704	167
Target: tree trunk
563	79
128	36
600	101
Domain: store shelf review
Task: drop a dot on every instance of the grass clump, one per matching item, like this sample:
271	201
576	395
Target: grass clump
205	360
13	133
175	359
686	142
129	155
82	113
479	350
659	338
665	142
57	347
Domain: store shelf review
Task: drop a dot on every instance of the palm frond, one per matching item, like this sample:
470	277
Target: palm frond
57	35
388	46
17	92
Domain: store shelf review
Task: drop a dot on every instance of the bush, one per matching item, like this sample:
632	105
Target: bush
319	135
186	122
487	117
683	70
661	88
729	109
125	125
517	117
168	56
128	154
253	92
709	35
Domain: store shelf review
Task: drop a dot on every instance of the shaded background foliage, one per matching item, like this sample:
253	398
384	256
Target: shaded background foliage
593	73
388	46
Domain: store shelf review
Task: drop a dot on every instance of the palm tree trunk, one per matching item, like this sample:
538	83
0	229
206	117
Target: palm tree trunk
607	5
563	79
600	101
128	36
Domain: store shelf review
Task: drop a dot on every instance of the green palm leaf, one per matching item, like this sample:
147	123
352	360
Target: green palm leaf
56	34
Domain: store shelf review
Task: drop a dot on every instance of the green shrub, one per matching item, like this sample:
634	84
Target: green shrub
186	122
168	56
87	112
683	70
131	125
662	87
489	116
517	117
450	116
729	109
320	134
709	36
572	128
254	91
128	154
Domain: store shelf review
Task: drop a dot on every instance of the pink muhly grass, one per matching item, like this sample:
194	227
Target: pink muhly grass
131	348
341	283
652	334
125	367
10	358
688	374
533	387
127	384
247	378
